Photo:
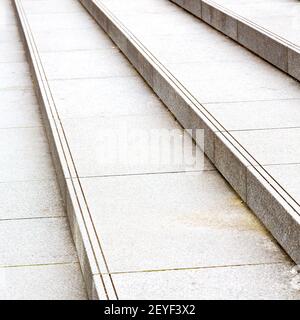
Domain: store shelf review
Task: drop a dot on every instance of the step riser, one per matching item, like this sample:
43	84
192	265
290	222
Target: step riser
80	225
264	196
279	52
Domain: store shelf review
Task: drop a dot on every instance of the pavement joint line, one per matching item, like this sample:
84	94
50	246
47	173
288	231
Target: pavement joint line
106	19
147	174
265	129
61	145
281	164
21	127
250	101
23	89
76	50
52	13
113	116
197	268
91	78
32	218
114	49
26	87
27	180
12	51
38	265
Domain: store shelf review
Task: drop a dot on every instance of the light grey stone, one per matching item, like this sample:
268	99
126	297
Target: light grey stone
10	34
294	63
231	163
263	45
18	109
98	15
194	6
161	23
81	238
172	49
68	40
48	21
11	52
274	211
98	289
106	139
261	282
51	282
219	20
30	199
25	155
99	98
141	6
217	81
14	75
36	241
257	114
52	6
141	62
181	221
287	175
90	64
274	146
116	35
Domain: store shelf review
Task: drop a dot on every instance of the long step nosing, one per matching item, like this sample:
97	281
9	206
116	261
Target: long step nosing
290	63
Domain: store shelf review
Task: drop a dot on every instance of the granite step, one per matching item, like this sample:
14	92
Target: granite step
209	82
269	28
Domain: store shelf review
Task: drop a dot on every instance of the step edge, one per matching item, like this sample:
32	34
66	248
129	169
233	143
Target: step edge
255	38
87	247
192	115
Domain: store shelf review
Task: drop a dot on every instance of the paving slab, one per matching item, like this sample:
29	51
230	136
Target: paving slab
14	75
48	282
19	109
54	6
274	146
256	81
263	282
25	155
90	64
98	96
262	114
288	176
179	221
9	33
36	241
63	40
30	199
49	21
